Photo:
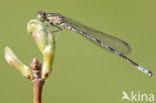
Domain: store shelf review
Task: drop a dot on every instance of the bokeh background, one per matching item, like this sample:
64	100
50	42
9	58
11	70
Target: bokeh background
82	72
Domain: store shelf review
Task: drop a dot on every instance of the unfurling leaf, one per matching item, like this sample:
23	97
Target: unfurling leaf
12	59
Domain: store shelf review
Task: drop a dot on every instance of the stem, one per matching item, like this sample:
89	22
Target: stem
37	90
37	82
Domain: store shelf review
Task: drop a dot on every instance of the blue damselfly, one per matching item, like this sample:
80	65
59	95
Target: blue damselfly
103	40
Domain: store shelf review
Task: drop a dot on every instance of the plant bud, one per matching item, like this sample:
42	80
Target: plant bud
17	64
38	30
48	56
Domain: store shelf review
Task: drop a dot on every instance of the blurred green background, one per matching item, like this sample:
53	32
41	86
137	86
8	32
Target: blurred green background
82	72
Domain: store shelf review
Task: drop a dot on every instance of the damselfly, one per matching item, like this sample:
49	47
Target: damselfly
103	40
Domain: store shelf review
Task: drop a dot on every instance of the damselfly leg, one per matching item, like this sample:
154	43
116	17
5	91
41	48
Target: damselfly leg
55	26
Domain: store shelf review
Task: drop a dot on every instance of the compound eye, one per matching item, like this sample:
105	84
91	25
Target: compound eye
41	14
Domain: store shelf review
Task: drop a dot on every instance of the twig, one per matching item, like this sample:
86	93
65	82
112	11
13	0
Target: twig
37	82
37	90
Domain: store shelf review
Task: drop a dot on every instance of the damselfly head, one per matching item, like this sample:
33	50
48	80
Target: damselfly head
41	15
